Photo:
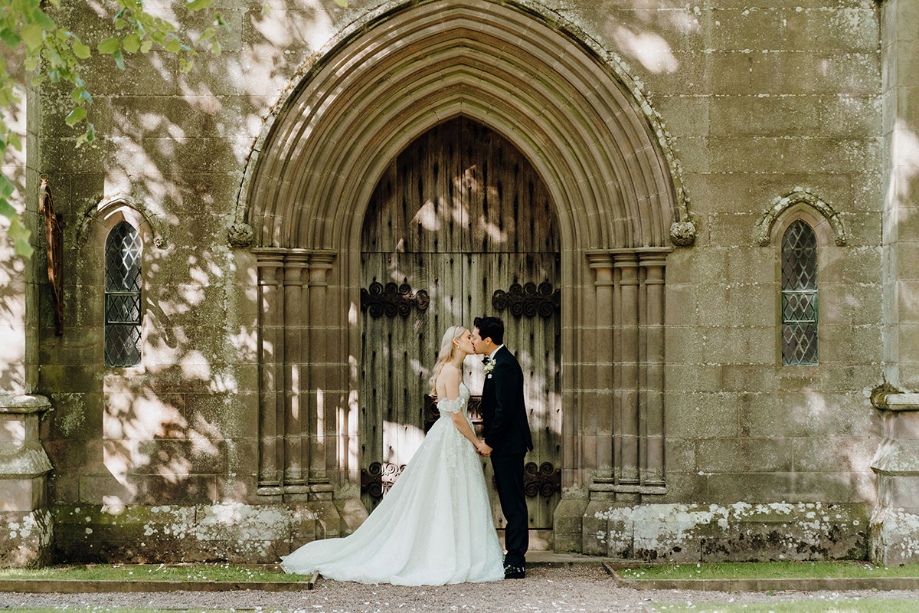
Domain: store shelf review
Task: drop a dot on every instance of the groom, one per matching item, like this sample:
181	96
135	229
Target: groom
507	436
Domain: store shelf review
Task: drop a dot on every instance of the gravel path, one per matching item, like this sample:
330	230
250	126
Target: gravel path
576	588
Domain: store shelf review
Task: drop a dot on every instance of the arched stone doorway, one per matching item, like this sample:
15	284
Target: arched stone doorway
604	159
456	220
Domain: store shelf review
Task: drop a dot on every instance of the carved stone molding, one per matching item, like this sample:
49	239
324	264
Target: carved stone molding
392	299
528	300
101	210
800	195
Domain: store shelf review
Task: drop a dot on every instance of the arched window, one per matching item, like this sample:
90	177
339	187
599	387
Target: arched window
799	295
122	296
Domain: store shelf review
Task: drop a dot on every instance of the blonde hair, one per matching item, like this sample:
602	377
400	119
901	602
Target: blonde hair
446	353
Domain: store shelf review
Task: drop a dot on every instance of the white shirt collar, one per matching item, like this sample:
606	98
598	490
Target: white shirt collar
492	356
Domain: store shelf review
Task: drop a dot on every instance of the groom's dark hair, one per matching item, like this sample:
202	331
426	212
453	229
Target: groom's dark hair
490	327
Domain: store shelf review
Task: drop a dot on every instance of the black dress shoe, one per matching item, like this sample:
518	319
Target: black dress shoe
514	572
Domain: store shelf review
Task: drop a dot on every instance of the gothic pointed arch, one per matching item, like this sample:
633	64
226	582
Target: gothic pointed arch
579	118
601	152
803	199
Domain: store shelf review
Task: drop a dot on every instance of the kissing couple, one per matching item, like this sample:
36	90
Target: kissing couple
435	525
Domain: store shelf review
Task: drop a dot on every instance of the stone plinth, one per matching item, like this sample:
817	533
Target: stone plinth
23	469
742	531
895	521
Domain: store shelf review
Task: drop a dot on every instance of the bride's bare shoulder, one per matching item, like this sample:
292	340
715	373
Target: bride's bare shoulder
450	374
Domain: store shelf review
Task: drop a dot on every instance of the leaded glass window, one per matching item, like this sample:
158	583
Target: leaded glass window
799	295
122	296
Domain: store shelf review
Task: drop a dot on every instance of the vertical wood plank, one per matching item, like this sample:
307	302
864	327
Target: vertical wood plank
460	213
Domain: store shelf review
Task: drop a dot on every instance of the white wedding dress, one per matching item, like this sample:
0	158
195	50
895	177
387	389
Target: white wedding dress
433	527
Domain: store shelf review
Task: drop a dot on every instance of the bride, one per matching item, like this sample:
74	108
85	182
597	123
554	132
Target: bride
435	525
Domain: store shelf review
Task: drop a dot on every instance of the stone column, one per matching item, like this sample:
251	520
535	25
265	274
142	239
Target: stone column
895	521
271	372
294	279
24	465
602	265
628	359
652	393
320	352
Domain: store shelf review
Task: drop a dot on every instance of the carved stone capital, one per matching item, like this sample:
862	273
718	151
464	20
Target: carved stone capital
240	235
682	233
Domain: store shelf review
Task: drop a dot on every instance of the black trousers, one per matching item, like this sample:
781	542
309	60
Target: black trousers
509	480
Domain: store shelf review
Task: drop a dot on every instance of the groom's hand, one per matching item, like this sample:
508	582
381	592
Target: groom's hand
485	450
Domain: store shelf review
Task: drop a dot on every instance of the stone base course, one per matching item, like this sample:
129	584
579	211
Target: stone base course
26	541
741	531
235	533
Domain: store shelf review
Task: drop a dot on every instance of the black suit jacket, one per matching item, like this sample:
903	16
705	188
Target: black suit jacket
507	430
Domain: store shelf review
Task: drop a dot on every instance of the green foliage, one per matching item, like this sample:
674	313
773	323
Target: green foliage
843	605
152	572
53	54
770	570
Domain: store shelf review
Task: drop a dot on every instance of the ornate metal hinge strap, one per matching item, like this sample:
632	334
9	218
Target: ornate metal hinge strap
378	478
544	480
528	299
393	299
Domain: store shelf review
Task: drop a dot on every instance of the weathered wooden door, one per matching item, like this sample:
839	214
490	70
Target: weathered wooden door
457	217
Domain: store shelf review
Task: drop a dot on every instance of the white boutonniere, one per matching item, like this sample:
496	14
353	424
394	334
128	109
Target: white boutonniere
489	366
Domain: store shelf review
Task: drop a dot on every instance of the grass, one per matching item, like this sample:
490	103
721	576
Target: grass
854	605
98	609
151	572
770	570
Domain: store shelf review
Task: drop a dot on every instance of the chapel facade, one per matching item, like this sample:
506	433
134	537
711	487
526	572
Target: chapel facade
696	221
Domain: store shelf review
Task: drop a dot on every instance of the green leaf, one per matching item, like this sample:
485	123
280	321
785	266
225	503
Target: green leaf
10	38
86	97
109	45
6	209
121	24
14	141
119	60
20	235
207	34
342	3
173	46
6	188
80	50
216	49
146	46
32	35
87	137
31	62
197	5
76	94
131	43
218	19
42	19
76	116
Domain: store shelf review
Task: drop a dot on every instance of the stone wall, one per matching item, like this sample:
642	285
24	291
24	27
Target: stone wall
759	98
